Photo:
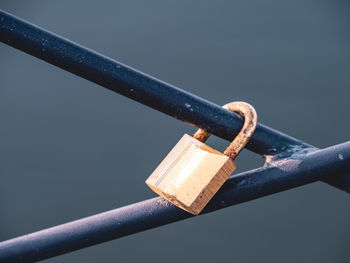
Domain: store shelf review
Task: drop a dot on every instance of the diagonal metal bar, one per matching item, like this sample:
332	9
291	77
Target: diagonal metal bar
275	177
133	84
146	89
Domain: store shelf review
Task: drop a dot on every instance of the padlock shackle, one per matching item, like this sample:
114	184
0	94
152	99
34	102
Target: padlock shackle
250	122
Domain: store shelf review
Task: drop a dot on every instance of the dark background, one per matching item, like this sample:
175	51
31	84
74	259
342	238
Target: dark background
67	145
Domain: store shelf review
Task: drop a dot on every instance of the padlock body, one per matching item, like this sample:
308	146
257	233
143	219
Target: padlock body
191	174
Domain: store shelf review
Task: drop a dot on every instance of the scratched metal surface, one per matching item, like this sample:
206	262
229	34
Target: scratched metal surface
67	149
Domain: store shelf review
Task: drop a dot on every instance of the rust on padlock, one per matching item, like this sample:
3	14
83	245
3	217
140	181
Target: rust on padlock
193	172
250	122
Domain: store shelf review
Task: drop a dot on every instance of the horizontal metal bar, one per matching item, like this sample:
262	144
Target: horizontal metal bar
145	89
275	177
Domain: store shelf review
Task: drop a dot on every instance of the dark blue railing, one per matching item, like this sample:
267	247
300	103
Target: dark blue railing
290	162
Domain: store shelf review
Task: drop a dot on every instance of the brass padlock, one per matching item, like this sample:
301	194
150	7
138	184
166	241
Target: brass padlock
193	172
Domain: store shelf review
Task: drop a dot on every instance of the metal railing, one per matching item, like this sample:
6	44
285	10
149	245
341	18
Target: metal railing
289	162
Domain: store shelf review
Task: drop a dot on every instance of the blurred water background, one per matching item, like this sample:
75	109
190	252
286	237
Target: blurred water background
67	145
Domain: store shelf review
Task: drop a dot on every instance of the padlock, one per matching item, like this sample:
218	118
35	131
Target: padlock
193	172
